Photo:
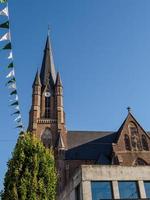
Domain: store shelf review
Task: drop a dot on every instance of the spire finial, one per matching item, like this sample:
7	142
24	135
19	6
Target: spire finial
129	109
49	30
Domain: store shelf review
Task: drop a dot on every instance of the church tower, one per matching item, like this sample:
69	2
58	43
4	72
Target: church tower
47	117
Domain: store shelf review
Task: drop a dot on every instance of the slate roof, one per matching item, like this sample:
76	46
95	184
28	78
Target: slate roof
90	145
48	68
77	138
37	80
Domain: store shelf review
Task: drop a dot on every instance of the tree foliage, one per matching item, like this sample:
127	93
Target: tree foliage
3	1
31	172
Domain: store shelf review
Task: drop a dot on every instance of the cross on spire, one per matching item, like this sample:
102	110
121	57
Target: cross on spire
129	109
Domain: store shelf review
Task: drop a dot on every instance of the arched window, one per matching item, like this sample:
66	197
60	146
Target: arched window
140	161
135	140
144	143
47	107
127	143
46	138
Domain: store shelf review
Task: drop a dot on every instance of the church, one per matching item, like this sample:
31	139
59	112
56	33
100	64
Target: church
91	165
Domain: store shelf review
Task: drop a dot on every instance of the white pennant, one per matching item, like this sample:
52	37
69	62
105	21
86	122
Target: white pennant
17	118
16	98
12	86
10	55
17	108
4	12
11	74
5	37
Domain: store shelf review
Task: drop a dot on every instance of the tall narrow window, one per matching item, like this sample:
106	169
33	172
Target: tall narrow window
46	138
144	143
127	143
135	140
47	107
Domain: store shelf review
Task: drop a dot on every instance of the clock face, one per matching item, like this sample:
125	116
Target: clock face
47	94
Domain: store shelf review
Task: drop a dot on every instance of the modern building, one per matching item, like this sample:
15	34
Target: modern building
91	165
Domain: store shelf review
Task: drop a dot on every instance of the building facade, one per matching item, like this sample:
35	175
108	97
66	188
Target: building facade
91	165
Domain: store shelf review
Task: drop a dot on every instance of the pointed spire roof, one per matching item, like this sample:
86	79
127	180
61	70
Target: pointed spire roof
37	80
58	80
48	69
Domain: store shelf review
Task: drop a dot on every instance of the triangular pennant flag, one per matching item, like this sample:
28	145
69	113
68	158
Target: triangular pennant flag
11	74
17	118
11	65
13	92
4	12
16	113
5	25
16	103
10	55
12	86
17	107
20	126
7	46
11	81
5	37
3	1
16	99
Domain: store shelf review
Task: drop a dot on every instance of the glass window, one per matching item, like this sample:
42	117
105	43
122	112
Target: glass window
127	142
128	190
46	138
47	107
147	188
101	190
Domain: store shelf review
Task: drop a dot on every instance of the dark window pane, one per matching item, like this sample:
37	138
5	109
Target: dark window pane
147	188
77	192
47	107
101	190
127	143
46	138
128	190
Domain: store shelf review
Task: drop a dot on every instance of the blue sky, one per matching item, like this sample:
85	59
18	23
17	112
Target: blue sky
100	47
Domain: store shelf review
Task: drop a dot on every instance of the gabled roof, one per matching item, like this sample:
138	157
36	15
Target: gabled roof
48	69
95	145
129	117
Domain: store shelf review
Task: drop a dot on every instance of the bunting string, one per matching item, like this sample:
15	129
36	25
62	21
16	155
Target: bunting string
11	78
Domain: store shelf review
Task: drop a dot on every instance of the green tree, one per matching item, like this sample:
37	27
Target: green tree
3	1
31	173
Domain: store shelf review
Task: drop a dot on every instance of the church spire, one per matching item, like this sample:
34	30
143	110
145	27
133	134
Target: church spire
37	80
48	74
58	80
